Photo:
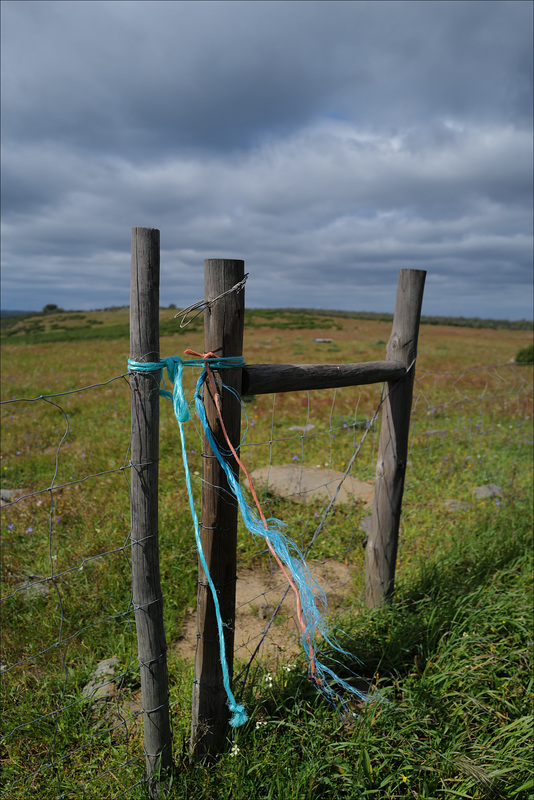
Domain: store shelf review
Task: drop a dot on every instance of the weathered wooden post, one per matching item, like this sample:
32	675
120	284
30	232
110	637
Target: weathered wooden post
381	551
223	335
146	590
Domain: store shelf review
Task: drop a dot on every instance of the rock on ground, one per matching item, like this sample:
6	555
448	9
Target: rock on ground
301	484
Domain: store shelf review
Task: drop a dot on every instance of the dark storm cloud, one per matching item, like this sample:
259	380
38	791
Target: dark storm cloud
328	144
146	77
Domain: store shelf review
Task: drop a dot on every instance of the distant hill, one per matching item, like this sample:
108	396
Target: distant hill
36	327
459	322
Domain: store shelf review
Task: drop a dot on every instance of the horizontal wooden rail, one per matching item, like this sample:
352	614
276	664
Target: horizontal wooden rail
270	378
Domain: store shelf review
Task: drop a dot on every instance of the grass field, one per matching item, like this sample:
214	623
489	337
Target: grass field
451	657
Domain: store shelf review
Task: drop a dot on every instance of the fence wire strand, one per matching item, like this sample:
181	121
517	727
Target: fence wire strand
458	420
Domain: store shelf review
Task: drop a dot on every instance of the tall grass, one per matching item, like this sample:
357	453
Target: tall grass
449	662
451	669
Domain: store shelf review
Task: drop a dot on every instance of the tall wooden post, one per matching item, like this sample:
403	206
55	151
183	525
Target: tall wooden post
146	590
223	335
381	551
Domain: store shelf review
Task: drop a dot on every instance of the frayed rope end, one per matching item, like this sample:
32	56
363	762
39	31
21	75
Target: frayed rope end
239	717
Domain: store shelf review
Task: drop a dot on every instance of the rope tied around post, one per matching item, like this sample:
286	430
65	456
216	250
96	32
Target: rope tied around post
310	598
174	366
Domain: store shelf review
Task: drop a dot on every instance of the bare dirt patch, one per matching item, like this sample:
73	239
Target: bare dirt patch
258	593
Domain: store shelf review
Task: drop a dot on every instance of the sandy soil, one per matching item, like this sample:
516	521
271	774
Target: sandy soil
257	595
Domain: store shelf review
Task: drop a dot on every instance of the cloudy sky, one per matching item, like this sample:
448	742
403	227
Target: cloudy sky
326	143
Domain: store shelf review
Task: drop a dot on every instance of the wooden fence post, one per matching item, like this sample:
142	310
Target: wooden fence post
381	551
146	590
223	335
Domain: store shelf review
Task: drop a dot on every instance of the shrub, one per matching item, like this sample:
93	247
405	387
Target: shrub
526	355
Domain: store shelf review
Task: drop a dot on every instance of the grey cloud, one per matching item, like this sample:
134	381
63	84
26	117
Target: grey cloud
326	143
151	77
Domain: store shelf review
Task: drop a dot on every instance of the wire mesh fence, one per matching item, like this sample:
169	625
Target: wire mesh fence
461	424
68	661
70	675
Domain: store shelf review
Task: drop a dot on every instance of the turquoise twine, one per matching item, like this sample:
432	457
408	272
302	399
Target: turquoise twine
313	598
174	366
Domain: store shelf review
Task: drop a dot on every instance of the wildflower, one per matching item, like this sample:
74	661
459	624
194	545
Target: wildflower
235	750
10	526
404	779
295	457
260	722
29	530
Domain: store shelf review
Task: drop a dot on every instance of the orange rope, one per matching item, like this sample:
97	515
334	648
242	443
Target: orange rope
216	398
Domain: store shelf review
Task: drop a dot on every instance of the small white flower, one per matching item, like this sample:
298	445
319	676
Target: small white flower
235	750
260	722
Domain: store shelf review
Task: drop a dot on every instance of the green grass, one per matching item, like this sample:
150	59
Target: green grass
451	657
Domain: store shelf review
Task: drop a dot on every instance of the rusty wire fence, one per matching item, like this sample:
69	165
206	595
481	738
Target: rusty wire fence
70	675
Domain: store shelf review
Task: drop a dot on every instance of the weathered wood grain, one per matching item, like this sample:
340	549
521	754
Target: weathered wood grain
267	378
147	597
223	335
381	550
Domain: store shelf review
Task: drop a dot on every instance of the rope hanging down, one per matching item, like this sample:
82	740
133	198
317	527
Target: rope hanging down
310	598
174	366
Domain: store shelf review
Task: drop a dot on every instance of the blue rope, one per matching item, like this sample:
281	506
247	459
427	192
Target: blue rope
174	366
313	598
